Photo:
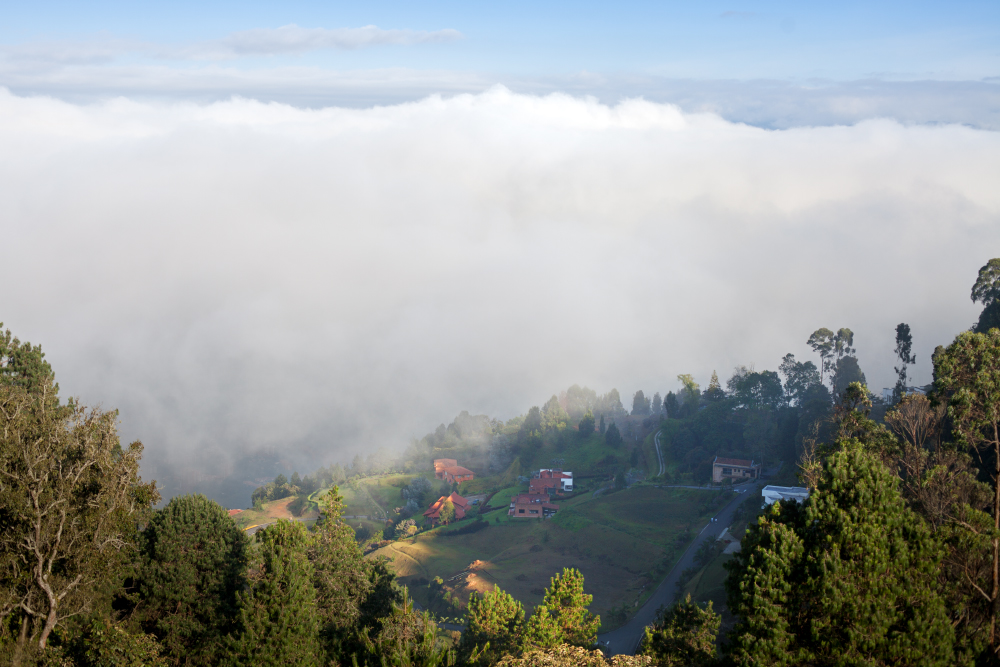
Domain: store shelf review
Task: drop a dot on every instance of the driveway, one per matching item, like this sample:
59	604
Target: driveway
626	638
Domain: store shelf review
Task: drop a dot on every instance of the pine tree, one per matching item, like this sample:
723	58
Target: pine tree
193	563
352	594
714	391
968	371
563	617
613	437
683	635
850	577
404	638
277	623
602	425
671	406
494	624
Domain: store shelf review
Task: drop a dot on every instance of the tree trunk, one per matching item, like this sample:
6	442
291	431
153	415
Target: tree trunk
50	623
21	641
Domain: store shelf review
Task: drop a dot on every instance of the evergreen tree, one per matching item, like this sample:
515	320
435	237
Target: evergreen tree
683	635
613	438
572	656
23	365
670	405
352	594
904	347
532	423
657	403
193	563
104	644
554	417
602	429
494	625
986	290
277	623
714	391
850	577
403	637
640	404
563	617
587	424
968	372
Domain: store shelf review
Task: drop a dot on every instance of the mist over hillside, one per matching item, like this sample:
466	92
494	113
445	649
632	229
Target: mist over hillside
241	277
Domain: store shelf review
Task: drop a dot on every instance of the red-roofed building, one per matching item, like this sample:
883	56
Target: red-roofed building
450	471
550	487
460	503
564	477
531	506
234	512
441	464
457	474
736	470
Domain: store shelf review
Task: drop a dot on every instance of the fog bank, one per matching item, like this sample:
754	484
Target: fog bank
238	275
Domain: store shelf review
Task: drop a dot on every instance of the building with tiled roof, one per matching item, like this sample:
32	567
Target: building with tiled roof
736	470
460	503
551	481
450	471
532	506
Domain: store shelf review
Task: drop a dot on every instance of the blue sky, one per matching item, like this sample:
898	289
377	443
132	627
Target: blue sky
701	40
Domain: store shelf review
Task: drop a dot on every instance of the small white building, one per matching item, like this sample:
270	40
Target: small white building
773	494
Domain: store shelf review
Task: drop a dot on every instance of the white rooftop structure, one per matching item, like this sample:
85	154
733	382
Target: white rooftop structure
773	494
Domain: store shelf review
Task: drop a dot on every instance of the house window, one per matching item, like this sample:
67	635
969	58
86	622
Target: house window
534	511
727	471
520	511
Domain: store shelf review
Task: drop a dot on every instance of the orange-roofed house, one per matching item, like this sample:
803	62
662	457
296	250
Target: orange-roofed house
234	512
550	487
460	503
457	474
441	464
531	506
736	470
565	477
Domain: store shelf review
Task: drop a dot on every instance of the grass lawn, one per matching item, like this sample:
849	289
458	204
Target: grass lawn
272	511
623	543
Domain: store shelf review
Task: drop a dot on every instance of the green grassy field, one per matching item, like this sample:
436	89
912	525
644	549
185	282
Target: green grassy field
623	543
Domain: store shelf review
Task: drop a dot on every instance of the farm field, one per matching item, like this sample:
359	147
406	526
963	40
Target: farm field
623	543
272	511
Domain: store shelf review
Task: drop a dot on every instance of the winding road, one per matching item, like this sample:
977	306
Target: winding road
626	638
659	453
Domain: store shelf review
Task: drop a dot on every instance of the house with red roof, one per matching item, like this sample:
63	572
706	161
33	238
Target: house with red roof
461	507
551	482
532	506
735	470
450	471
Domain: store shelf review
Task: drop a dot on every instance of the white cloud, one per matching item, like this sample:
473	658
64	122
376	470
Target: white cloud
293	39
287	40
239	274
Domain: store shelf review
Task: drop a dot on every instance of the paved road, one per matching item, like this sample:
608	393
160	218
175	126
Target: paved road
626	638
659	454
